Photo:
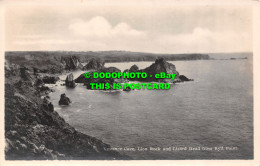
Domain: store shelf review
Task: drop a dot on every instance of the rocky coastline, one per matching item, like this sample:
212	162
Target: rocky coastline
34	130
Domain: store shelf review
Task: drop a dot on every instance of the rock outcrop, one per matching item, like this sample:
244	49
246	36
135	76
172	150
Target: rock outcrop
134	68
64	100
81	78
25	74
49	79
69	82
87	81
109	70
71	63
94	64
160	66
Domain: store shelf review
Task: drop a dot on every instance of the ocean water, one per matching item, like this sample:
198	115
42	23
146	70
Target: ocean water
209	118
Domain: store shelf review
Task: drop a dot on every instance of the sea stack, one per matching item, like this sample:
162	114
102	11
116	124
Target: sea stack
69	82
64	100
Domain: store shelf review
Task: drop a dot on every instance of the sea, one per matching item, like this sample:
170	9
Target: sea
208	118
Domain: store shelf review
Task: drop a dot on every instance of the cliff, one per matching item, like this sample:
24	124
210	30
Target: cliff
103	56
35	131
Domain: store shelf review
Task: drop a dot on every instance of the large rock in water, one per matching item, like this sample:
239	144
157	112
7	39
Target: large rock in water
64	100
158	67
71	63
69	82
94	64
87	81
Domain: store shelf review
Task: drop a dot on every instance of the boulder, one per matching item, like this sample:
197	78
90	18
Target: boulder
64	100
127	89
48	79
69	82
94	64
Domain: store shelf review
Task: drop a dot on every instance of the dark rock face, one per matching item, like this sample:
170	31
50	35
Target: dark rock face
47	105
25	74
64	100
71	63
69	82
48	79
159	66
35	70
134	68
94	64
39	82
127	89
81	78
35	131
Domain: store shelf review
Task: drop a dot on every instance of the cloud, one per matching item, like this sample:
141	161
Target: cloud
206	40
99	27
99	35
45	41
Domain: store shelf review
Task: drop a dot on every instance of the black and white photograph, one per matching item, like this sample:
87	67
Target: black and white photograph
128	81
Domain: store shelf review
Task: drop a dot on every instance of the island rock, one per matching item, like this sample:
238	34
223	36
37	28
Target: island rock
69	82
64	100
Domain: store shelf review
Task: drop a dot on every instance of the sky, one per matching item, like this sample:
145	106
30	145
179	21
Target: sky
164	28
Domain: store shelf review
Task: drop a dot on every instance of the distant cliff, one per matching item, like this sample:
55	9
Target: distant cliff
106	56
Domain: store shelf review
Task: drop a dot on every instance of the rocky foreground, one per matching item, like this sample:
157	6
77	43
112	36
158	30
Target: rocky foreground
34	130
